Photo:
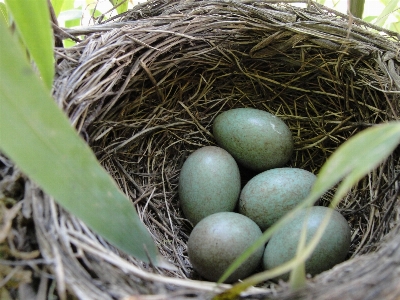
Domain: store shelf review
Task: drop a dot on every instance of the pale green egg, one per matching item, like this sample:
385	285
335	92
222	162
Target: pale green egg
209	182
217	240
331	249
271	194
257	139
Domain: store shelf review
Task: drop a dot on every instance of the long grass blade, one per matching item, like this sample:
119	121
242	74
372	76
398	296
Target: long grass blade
38	137
57	6
357	8
121	5
390	7
32	20
350	162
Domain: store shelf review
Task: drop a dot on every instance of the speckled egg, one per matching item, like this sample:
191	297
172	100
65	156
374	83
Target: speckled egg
217	240
257	139
331	250
209	182
271	194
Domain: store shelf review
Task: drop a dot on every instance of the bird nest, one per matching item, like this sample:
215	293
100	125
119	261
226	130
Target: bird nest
143	90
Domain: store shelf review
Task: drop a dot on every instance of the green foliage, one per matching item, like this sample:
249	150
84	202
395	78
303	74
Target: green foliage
32	20
357	8
386	15
121	5
38	137
57	6
68	43
356	157
3	13
349	163
389	17
352	161
298	274
390	7
72	17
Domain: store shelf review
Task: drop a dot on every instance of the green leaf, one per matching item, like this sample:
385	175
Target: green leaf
357	8
38	137
351	161
62	5
68	4
390	7
95	13
259	243
71	17
57	6
70	14
298	274
73	23
122	7
68	43
32	20
395	26
4	13
356	157
369	19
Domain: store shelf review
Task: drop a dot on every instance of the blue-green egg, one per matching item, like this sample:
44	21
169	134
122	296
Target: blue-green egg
217	240
331	249
209	182
271	194
257	139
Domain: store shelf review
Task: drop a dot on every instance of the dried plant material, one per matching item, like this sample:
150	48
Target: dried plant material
12	277
144	88
6	217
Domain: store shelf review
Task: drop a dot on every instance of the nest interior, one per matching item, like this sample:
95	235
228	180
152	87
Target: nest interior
143	90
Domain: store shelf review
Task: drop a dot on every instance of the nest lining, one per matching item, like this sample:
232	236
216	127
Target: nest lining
144	89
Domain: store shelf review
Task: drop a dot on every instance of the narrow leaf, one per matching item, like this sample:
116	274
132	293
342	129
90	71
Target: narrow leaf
121	5
3	13
369	19
298	274
95	13
38	137
68	4
351	161
70	14
70	17
68	43
356	157
32	20
390	7
395	27
57	6
357	8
